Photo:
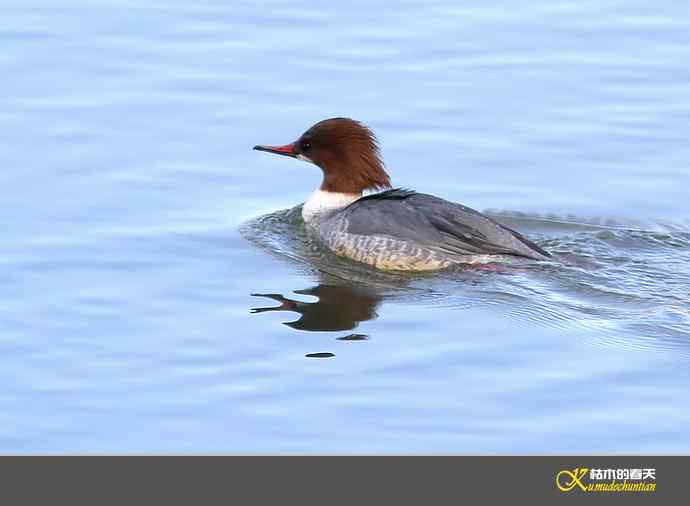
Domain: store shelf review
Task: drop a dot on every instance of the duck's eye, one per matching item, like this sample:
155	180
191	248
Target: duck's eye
306	146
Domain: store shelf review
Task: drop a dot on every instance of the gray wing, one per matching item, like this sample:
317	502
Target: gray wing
435	223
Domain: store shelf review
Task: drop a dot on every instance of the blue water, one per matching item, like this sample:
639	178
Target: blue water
137	223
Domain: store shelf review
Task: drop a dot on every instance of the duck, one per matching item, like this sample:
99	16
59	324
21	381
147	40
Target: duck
357	214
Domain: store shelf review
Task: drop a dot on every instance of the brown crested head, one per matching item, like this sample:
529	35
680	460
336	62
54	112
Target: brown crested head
346	151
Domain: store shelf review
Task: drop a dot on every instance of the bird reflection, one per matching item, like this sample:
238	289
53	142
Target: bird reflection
338	308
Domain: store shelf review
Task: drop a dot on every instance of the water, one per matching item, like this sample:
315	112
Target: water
138	224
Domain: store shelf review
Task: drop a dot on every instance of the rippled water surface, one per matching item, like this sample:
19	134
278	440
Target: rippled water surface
159	293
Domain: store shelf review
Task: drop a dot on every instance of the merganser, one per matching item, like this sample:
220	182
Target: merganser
394	229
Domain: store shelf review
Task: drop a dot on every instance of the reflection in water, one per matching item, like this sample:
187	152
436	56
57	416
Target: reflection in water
338	308
354	337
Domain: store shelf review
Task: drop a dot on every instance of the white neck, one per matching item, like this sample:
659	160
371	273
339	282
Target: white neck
322	202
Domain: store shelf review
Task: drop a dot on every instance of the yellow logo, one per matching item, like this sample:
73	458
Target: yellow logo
607	480
567	480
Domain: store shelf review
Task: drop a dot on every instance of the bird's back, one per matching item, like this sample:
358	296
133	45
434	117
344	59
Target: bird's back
405	230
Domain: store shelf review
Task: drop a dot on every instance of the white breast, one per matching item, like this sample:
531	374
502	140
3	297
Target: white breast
321	202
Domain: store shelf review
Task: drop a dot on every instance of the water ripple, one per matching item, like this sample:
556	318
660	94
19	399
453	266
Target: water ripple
625	288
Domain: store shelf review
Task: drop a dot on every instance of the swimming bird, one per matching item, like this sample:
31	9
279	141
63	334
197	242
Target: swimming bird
391	229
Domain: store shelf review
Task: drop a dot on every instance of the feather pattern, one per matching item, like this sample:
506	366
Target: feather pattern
420	229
